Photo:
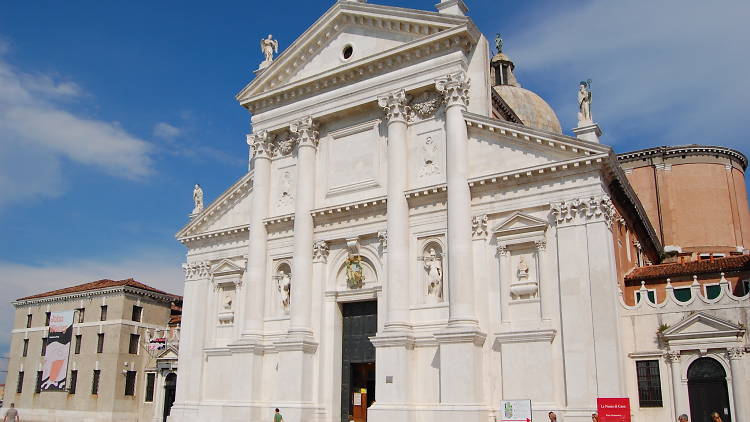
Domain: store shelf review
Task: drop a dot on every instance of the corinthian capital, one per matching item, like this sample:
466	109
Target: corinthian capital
672	356
736	353
261	143
455	89
305	130
394	104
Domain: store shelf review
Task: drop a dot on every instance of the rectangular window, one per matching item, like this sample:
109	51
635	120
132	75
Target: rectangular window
713	291
44	346
28	321
81	315
133	348
19	383
95	381
38	387
150	383
137	313
73	382
100	343
683	294
649	383
78	344
47	316
25	347
651	295
130	383
103	316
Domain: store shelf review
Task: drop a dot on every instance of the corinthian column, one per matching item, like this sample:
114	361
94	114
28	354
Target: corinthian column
673	359
261	144
302	263
397	288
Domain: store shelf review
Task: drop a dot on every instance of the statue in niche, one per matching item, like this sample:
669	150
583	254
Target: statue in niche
284	286
523	269
269	46
197	199
285	187
429	155
434	265
584	102
228	301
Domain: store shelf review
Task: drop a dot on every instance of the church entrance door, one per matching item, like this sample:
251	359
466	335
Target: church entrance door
707	390
358	359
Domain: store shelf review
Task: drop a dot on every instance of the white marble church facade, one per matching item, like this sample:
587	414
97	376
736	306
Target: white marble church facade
384	167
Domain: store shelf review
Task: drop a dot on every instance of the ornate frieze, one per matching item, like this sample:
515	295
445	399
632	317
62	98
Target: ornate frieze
479	226
583	210
736	353
320	251
261	143
305	131
285	143
425	106
455	89
197	270
395	105
672	356
502	250
541	245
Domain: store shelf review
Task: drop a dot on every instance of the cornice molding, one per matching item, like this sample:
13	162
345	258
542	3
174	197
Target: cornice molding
91	293
671	151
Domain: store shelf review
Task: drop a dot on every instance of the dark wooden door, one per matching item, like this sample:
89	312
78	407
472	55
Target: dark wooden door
360	323
707	390
170	386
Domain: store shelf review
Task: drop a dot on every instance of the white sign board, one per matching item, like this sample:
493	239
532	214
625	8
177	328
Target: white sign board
515	411
357	399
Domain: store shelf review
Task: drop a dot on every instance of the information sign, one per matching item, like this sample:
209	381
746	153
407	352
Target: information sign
613	409
515	411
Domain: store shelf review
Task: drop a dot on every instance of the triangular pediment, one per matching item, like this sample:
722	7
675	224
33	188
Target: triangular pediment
368	28
225	267
520	223
702	325
169	353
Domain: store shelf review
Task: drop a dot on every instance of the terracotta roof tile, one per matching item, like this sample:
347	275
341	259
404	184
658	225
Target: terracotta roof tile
97	285
717	265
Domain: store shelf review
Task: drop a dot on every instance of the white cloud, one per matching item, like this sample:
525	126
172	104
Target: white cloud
159	269
166	131
39	131
672	68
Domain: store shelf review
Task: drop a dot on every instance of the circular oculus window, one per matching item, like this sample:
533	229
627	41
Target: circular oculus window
347	52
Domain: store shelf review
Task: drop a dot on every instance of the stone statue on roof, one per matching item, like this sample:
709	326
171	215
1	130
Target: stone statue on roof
499	43
197	199
269	46
584	103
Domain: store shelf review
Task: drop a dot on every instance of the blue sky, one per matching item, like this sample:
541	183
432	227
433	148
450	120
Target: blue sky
110	112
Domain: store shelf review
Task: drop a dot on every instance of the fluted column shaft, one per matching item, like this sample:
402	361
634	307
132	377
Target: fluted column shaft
740	390
397	299
302	262
261	144
461	310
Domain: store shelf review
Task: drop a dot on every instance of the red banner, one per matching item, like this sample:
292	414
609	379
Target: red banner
613	410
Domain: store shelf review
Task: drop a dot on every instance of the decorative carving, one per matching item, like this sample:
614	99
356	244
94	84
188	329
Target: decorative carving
425	105
355	275
320	251
584	103
671	356
455	89
196	270
383	239
479	225
523	269
305	130
197	199
286	198
502	249
583	210
429	156
261	144
228	301
541	245
433	264
285	143
268	46
284	286
395	107
736	353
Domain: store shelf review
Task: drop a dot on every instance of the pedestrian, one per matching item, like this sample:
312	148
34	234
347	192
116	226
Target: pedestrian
552	416
277	416
715	417
594	417
11	415
682	418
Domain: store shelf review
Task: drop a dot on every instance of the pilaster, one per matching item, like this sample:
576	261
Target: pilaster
740	388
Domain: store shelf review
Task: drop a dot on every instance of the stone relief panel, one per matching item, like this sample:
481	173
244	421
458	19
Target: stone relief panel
427	156
425	106
226	294
285	182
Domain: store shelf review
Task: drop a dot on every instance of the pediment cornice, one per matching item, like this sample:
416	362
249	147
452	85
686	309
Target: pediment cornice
434	32
703	326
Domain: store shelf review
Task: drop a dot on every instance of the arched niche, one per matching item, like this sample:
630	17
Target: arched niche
432	272
282	288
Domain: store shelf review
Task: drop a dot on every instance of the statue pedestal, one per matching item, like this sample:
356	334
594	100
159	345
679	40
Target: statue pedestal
588	131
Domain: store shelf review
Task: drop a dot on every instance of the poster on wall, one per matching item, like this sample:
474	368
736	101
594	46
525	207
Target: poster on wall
515	411
55	371
613	409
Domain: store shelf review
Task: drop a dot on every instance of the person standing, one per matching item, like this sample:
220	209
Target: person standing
11	415
682	418
552	416
594	417
277	416
715	417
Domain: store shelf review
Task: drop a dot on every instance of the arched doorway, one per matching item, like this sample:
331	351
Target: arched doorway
707	389
170	384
